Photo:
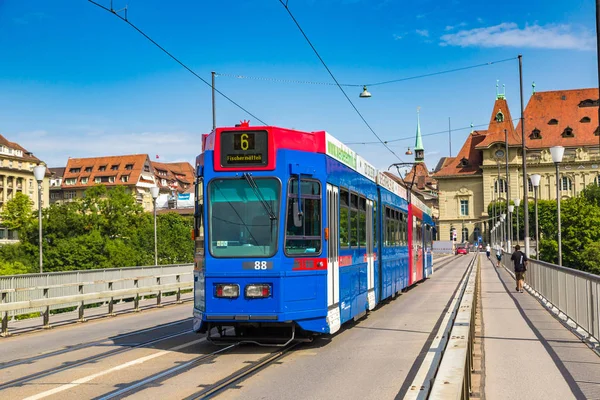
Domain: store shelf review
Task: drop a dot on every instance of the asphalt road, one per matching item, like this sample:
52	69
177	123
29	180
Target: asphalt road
153	354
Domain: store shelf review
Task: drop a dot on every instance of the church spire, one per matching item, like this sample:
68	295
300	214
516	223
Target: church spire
419	151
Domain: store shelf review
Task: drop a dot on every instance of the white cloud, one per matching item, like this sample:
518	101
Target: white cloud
397	37
449	27
54	149
422	32
533	36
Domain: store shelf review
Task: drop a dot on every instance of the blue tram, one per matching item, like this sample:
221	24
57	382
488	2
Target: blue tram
296	232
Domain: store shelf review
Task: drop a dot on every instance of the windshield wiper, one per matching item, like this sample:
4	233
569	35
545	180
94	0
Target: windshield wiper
257	192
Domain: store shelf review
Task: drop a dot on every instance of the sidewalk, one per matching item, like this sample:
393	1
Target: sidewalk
528	354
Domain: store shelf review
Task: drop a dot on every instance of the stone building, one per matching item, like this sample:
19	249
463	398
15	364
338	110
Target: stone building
476	177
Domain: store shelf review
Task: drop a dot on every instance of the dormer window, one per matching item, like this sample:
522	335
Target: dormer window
553	121
585	120
535	134
464	162
597	131
88	169
568	133
588	103
499	116
102	168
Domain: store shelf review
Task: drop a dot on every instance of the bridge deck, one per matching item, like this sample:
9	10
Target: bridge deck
528	353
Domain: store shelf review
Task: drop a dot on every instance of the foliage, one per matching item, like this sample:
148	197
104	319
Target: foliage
590	258
104	229
17	214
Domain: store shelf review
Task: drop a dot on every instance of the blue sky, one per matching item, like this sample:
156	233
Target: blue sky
75	81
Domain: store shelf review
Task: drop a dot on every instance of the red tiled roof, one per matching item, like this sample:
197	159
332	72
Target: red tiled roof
179	173
27	155
562	105
495	131
137	162
453	165
422	178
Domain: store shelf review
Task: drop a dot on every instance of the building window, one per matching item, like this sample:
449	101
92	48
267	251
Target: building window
588	103
565	183
464	162
70	181
70	195
464	207
585	120
97	179
84	180
535	134
568	132
553	121
102	168
129	167
88	169
111	179
596	179
114	167
20	165
125	178
529	185
499	116
146	168
74	170
465	235
10	164
500	186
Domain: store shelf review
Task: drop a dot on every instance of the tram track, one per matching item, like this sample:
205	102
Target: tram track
91	359
242	373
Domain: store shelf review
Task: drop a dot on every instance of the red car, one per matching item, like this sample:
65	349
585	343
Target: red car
461	250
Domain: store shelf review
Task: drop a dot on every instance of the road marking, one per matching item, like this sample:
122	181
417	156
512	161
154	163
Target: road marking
88	378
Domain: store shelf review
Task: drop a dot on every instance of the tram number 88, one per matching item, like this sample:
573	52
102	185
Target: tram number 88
257	265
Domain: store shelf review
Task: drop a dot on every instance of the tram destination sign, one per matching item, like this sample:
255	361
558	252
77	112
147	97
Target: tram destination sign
244	149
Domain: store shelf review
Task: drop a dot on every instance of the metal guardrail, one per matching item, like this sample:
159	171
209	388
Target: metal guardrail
574	294
453	378
24	294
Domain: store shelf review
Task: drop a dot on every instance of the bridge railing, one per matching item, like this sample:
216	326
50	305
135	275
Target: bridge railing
574	294
32	293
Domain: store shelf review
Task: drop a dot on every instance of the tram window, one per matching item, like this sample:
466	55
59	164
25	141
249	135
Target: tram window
306	238
344	220
386	227
362	222
353	220
375	232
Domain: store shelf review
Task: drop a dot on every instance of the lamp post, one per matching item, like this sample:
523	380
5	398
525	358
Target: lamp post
535	181
517	202
557	156
503	219
154	192
511	208
509	232
524	161
38	172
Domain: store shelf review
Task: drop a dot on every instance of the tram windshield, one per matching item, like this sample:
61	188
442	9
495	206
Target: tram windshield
243	217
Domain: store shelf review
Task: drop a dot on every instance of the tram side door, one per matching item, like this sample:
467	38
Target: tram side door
370	257
333	266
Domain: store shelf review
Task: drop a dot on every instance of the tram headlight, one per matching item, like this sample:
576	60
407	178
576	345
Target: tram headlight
256	291
227	290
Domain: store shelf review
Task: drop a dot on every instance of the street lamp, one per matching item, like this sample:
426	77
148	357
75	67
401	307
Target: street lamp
154	192
364	93
535	181
503	219
39	171
511	209
517	204
557	156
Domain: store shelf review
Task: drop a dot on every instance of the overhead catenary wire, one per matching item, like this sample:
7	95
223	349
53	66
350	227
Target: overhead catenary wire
305	82
124	19
336	81
427	134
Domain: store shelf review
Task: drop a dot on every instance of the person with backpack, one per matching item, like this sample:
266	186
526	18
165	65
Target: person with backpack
488	250
520	261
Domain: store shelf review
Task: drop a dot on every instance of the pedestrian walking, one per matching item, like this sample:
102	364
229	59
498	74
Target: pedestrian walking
520	261
498	255
488	250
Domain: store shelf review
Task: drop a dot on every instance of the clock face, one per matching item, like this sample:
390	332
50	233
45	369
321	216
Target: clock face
499	153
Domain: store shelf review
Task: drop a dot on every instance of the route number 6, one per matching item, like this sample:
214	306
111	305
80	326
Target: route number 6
260	265
244	142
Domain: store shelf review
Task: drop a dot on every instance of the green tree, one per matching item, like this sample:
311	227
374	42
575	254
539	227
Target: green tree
590	258
17	214
14	268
